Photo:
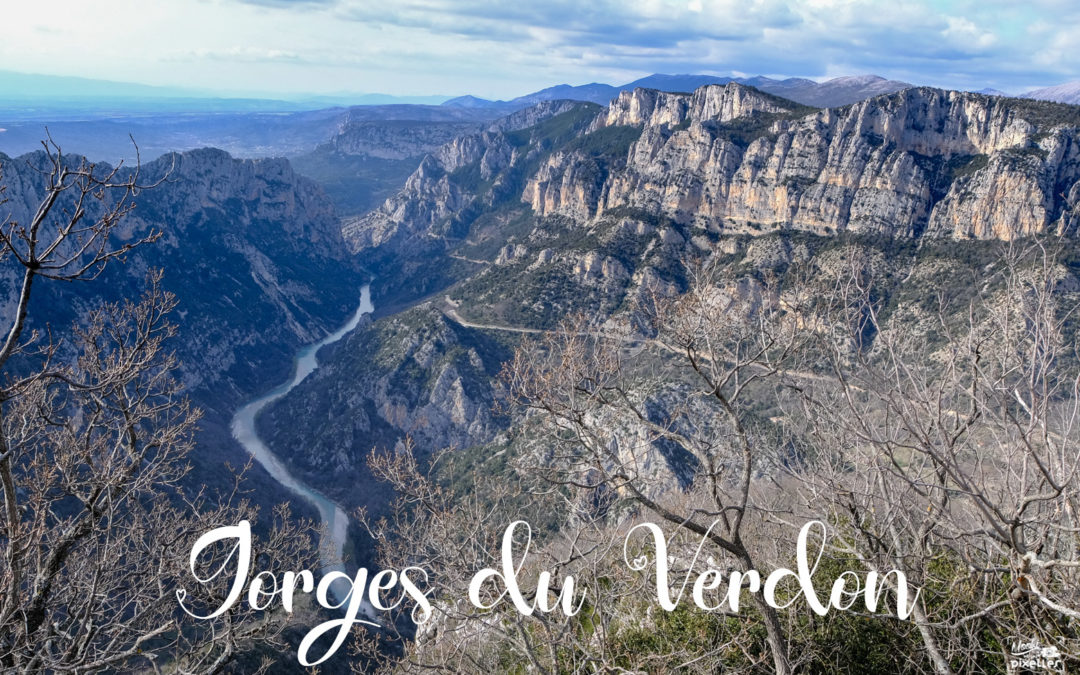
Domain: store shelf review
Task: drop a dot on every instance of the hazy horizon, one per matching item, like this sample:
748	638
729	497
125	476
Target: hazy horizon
73	91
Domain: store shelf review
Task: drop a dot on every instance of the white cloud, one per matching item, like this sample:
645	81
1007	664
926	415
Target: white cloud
965	31
494	48
238	54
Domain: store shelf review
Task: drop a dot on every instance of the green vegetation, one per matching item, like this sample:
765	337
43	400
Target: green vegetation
556	130
539	298
963	166
742	131
607	142
1017	157
943	172
355	184
469	178
1044	114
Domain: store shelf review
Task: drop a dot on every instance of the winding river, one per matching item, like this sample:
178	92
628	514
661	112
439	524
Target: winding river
243	430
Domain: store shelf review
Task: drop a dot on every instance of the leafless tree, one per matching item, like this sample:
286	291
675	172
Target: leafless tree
96	526
606	413
951	451
454	535
934	430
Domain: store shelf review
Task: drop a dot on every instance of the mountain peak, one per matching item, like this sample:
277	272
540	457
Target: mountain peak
835	92
1069	92
866	79
468	101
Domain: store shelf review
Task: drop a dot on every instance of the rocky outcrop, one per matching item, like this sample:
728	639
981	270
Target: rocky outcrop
595	266
430	197
717	103
252	251
922	160
566	184
450	181
396	139
1018	193
533	115
415	374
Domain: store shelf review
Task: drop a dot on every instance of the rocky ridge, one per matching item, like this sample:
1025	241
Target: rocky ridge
415	374
834	92
920	161
253	253
444	186
716	103
732	160
1069	92
394	139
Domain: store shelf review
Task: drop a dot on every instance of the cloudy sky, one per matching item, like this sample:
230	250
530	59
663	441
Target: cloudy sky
501	49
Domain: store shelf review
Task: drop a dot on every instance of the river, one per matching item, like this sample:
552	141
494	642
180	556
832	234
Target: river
243	430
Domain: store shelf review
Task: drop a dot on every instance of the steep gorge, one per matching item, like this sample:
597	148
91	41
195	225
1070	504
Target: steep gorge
255	257
568	207
734	160
921	161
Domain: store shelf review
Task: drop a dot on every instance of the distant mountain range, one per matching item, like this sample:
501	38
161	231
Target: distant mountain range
26	96
1062	93
34	96
835	92
1068	92
97	118
828	94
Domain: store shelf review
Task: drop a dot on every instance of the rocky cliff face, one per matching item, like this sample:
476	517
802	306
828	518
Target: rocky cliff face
396	139
919	161
415	374
732	159
466	174
430	198
535	114
252	251
717	103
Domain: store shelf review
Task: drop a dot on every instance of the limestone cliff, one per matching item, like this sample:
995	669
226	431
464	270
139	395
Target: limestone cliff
919	161
735	160
247	246
396	139
717	103
467	173
414	374
255	257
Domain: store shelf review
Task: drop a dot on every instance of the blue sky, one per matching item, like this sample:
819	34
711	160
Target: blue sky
503	49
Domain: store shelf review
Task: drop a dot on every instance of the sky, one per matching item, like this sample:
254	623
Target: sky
502	49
